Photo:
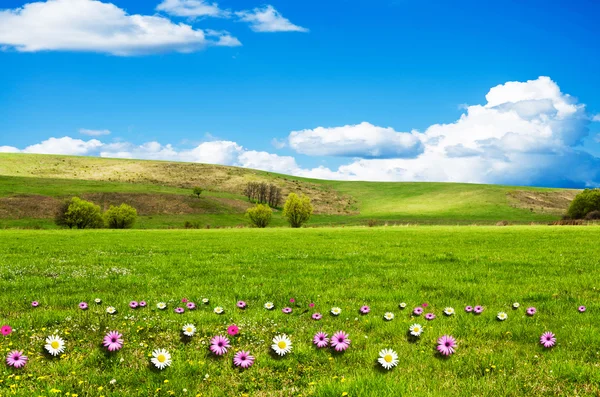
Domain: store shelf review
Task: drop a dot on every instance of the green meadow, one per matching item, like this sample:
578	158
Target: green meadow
554	269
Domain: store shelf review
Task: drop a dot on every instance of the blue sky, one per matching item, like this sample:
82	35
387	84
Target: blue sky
327	89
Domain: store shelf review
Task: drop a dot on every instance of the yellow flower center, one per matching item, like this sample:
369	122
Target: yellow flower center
188	329
55	345
416	329
388	358
282	345
161	358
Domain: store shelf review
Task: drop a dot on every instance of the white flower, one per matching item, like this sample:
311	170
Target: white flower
449	311
388	358
113	381
389	316
336	311
218	310
415	330
189	330
205	301
161	358
402	305
516	305
161	305
98	301
282	345
111	310
502	316
55	345
269	305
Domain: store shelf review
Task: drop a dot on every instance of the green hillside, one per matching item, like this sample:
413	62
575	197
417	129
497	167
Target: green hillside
32	186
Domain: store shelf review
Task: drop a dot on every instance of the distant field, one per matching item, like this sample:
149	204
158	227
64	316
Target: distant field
555	269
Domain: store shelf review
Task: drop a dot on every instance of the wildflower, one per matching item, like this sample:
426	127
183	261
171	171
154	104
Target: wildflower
111	310
189	330
446	345
179	310
98	301
317	316
516	305
83	306
6	330
219	345
478	309
469	309
233	330
388	358
415	330
502	316
581	309
243	359
241	304
425	304
417	311
113	381
292	300
340	341
184	300
402	305
531	311
286	310
548	339
336	311
143	304
190	305
35	303
365	309
205	301
269	305
311	305
429	316
16	359
161	305
389	316
55	345
282	345
449	311
218	310
113	341
161	358
133	304
321	339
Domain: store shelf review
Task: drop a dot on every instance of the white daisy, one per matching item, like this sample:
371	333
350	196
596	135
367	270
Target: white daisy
449	311
111	310
269	305
389	316
388	358
282	345
502	316
205	301
161	358
516	305
402	305
161	305
189	330
416	329
336	311
55	345
218	310
98	301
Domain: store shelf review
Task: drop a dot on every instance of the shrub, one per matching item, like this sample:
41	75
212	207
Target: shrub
584	203
593	215
197	191
260	216
191	225
373	223
121	217
297	210
80	214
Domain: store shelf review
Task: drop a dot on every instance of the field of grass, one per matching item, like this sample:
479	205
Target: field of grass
554	269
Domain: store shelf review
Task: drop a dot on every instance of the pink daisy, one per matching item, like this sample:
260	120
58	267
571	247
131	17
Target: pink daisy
113	341
35	303
190	305
321	339
241	304
143	303
5	330
417	311
425	304
478	309
16	359
243	359
340	341
531	311
287	310
83	306
311	305
446	345
548	339
581	309
292	300
469	309
233	330
184	300
365	309
317	316
219	345
429	316
179	310
133	304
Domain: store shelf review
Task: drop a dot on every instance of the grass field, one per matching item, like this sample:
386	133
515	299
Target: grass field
555	269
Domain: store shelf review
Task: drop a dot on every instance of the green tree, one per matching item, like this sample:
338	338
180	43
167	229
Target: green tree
297	210
584	203
197	191
260	215
121	217
80	214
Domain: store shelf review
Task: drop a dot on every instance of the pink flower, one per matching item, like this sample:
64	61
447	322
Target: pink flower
365	309
133	304
581	309
233	330
243	359
143	304
417	311
469	309
287	310
241	304
6	330
184	300
113	341
548	339
425	304
317	316
35	303
478	309
321	340
531	311
340	341
446	345
311	305
179	310
429	316
190	305
219	345
292	300
83	306
16	359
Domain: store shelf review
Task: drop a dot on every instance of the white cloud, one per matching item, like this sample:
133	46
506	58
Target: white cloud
596	117
268	162
85	131
192	8
363	140
91	25
9	149
268	19
278	143
65	145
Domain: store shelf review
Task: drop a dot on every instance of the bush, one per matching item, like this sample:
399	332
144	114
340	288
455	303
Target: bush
372	222
121	217
592	216
260	216
197	191
80	214
584	203
191	225
297	210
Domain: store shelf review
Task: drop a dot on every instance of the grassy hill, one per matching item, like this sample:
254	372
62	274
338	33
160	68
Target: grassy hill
32	186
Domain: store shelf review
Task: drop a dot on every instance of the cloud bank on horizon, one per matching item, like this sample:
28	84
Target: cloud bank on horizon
526	133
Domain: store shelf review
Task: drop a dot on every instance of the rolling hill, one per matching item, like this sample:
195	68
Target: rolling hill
32	186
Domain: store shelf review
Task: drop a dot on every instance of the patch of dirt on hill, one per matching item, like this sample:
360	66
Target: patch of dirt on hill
28	206
554	202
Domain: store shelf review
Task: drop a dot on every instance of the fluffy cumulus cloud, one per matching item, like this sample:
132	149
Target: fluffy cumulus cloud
268	19
363	140
64	145
192	9
91	25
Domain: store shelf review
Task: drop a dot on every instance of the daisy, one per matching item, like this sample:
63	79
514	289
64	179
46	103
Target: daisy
311	305
241	304
415	330
478	309
189	330
161	358
219	345
502	316
292	300
55	345
143	304
243	359
531	311
282	345
287	310
429	316
35	303
581	309
365	309
388	358
321	340
113	341
205	301
317	316
340	341
516	305
446	345
449	311
179	310
418	311
184	300
98	301
218	310
6	330
190	305
336	311
161	305
402	305
233	330
548	339
16	359
269	305
469	309
425	304
133	304
389	316
111	310
83	305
